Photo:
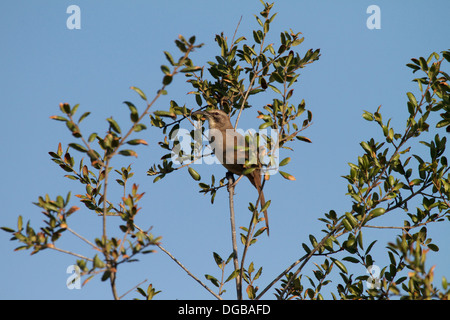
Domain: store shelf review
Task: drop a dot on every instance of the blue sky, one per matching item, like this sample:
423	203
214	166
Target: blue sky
119	45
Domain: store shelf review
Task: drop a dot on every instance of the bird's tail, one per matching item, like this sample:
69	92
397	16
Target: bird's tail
255	179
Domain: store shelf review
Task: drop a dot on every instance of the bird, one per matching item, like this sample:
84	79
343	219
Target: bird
229	148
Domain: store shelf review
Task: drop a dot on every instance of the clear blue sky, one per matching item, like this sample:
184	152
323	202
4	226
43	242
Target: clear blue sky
120	44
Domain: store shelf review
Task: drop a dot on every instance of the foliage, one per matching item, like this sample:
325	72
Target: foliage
108	251
245	68
389	176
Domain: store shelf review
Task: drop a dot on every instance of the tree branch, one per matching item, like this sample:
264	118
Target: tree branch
231	185
188	272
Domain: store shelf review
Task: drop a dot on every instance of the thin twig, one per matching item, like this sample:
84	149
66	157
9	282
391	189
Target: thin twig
255	75
235	32
245	99
111	264
250	230
105	202
120	298
112	278
236	182
233	236
82	238
304	258
188	272
71	253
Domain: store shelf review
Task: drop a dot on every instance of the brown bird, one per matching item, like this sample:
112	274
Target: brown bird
228	146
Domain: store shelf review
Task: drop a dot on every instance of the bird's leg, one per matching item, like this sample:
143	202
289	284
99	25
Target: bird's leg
231	183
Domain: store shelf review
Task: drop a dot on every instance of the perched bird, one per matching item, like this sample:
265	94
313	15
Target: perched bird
229	148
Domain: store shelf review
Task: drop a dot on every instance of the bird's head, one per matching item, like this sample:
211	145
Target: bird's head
217	119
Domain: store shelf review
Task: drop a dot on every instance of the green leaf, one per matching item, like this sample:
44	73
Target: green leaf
77	147
370	246
282	49
140	127
167	80
266	206
423	64
198	99
251	292
106	275
98	263
137	141
368	116
92	137
93	155
169	58
377	212
59	118
313	240
265	125
275	89
128	153
84	115
351	219
134	115
366	147
306	248
446	55
139	91
114	125
297	42
249	170
412	99
360	240
443	123
232	275
433	247
142	292
348	226
218	259
340	265
19	223
259	231
287	176
266	26
285	161
231	256
75	108
165	69
444	280
162	113
351	259
194	174
259	20
7	229
277	77
191	69
65	107
212	279
304	139
256	37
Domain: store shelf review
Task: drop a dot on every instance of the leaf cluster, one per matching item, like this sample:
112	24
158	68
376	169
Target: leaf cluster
129	240
385	179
